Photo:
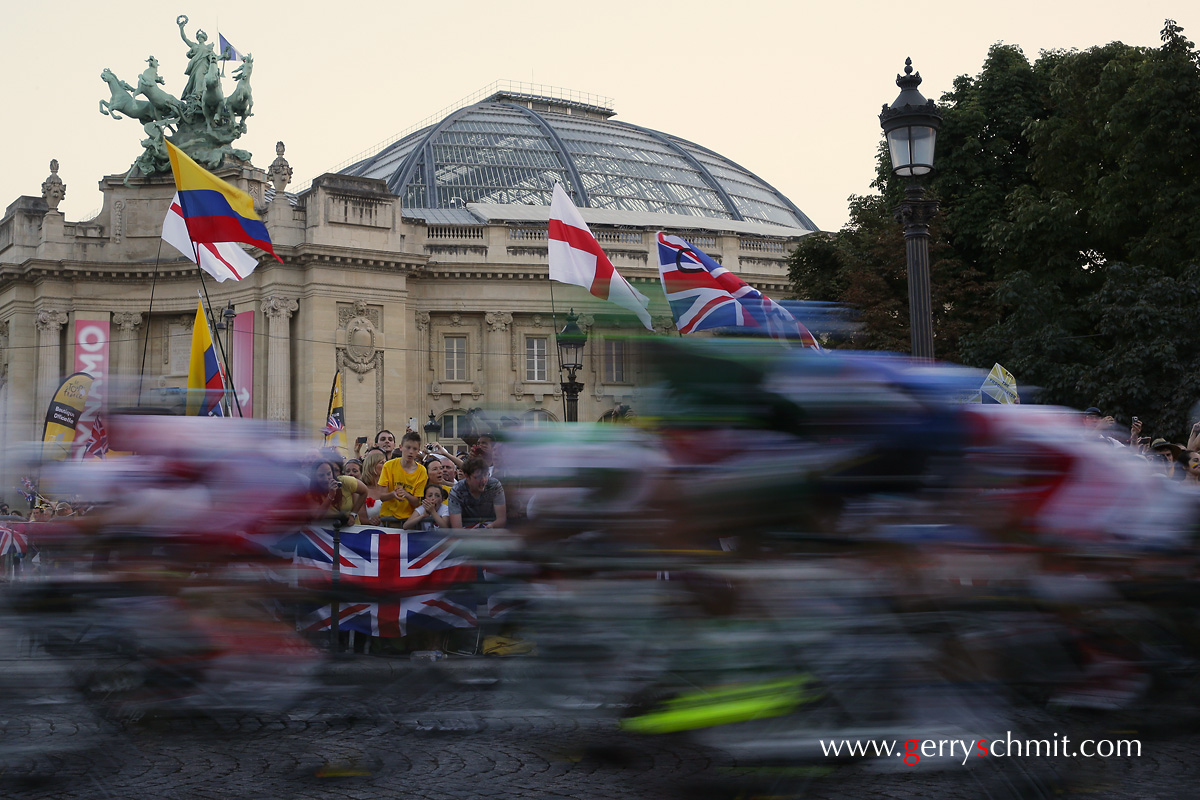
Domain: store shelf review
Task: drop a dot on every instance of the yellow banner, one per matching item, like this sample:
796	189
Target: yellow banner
999	387
335	423
62	415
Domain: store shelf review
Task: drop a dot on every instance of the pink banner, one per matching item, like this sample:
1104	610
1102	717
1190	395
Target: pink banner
243	361
91	356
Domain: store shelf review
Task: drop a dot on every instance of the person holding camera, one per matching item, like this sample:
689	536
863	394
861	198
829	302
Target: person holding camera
438	449
334	495
403	480
385	441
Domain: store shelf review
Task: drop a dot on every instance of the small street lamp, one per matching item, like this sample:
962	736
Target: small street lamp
570	341
433	429
911	124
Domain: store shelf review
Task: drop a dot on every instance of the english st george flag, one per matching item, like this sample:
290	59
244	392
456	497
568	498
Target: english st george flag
577	258
221	260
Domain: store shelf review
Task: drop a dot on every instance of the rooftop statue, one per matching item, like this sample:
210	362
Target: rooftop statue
201	121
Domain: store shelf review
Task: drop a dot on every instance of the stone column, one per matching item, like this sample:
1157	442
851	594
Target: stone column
498	361
127	322
49	322
279	312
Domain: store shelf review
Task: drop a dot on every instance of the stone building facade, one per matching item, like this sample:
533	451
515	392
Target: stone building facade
422	311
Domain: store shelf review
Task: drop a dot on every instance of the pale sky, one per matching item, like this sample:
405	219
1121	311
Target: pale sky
789	90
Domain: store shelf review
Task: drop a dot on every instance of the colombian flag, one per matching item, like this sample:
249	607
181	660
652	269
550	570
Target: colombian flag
206	384
214	211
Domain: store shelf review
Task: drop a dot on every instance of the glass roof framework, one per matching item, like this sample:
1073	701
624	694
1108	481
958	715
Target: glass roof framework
503	153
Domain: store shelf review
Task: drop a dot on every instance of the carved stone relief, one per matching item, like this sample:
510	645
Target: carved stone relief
3	352
127	320
177	344
50	320
53	188
118	221
361	354
280	171
280	307
376	365
374	314
498	320
514	349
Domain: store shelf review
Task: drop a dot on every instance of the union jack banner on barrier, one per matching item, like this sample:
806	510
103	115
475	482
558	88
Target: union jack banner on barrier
385	560
13	542
433	610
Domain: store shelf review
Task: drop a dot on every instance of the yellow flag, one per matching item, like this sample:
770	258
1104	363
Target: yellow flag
999	387
335	424
63	412
206	384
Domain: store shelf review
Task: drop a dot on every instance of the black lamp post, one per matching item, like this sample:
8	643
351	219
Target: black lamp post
911	124
225	323
570	341
433	429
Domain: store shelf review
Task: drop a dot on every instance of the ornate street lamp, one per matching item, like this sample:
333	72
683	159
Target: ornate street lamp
911	124
433	429
570	341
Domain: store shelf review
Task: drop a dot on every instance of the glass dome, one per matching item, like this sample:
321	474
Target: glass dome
511	148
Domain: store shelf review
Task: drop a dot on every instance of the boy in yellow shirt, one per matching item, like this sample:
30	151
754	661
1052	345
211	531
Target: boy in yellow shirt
404	479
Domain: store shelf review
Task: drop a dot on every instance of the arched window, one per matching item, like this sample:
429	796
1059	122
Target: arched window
537	417
453	426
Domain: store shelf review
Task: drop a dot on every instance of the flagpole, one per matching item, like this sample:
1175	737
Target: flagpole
329	413
554	326
220	344
149	312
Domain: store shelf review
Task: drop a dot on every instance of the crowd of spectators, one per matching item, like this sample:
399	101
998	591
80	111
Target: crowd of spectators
397	484
1177	461
409	484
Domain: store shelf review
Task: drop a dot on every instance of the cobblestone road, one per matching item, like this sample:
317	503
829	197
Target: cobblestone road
420	737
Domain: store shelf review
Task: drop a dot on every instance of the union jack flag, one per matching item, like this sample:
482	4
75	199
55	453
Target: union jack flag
13	542
704	295
433	610
385	560
333	425
502	595
97	443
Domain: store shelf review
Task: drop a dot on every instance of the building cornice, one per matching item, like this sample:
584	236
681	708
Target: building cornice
36	269
376	260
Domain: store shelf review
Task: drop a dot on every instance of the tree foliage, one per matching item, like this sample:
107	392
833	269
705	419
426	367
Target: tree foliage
1068	243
